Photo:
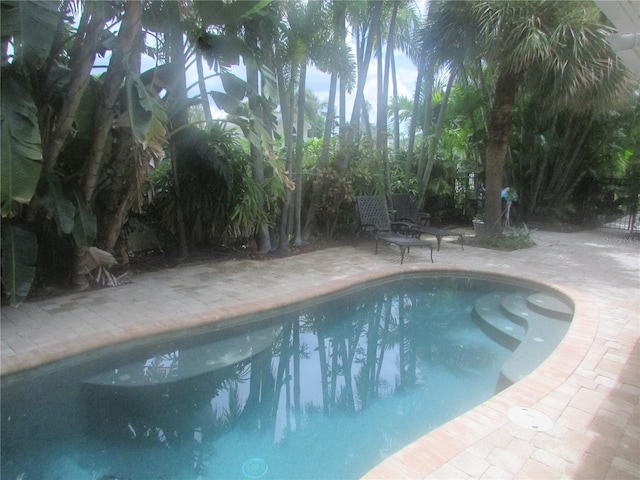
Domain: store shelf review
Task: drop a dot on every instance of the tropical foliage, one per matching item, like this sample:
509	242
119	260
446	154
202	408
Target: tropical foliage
108	121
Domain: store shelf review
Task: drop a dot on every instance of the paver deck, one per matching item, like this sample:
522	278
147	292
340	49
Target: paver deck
589	387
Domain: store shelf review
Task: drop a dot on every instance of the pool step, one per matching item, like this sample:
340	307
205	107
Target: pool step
550	306
491	319
510	320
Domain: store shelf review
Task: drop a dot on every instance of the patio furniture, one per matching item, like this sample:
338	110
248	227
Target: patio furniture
374	218
407	214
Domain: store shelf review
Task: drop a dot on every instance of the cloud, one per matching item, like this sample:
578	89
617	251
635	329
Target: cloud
406	73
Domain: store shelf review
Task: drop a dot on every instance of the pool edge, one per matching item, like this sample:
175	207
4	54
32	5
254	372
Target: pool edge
440	446
437	448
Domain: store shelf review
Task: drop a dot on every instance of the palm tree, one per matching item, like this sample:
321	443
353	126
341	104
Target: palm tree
333	56
558	48
365	20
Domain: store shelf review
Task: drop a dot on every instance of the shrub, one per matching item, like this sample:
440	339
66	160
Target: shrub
512	238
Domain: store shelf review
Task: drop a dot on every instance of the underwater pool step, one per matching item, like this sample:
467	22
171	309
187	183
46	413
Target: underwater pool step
550	306
491	318
543	334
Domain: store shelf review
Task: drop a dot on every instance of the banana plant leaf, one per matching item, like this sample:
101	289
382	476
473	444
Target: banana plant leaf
147	117
52	197
19	254
229	103
21	152
33	25
229	13
234	86
85	227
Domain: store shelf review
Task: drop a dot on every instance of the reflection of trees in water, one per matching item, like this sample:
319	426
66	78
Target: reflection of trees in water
383	343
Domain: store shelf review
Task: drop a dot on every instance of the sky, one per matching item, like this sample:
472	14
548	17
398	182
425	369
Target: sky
318	83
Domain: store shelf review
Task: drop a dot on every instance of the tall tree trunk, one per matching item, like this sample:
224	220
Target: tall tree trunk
342	37
180	118
263	239
358	104
381	111
299	153
540	174
204	95
318	187
433	144
286	110
408	169
110	89
426	124
82	59
383	99
497	145
103	120
396	110
562	187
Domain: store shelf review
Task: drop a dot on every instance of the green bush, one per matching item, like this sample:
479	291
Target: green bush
512	238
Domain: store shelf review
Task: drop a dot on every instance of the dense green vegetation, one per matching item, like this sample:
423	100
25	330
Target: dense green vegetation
104	136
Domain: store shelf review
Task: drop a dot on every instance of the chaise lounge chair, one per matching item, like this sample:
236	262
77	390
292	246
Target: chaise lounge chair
406	209
374	218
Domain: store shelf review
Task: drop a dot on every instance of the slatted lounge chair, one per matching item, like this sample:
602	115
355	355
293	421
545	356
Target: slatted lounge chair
374	218
406	209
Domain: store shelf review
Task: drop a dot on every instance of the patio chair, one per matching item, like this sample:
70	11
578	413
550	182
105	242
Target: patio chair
407	214
374	218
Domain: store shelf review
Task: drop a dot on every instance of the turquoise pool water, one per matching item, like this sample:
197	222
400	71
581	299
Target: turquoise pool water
324	391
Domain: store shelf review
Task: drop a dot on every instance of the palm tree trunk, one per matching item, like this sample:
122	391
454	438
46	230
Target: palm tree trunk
497	145
299	153
383	99
286	111
341	34
433	145
540	174
358	104
263	239
426	125
413	125
318	187
177	96
204	95
396	110
565	184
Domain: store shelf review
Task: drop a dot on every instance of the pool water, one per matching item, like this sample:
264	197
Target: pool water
327	391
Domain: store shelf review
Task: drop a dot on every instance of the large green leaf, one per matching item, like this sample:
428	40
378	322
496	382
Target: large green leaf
33	25
21	153
85	227
140	108
19	254
234	86
51	196
228	103
147	117
221	51
226	13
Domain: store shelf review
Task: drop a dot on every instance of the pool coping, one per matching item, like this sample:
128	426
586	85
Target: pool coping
434	449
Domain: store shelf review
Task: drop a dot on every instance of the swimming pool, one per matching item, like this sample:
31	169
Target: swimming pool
398	358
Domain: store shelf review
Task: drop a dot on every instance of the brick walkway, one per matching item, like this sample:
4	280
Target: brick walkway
590	386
